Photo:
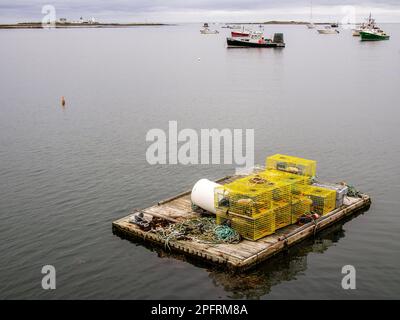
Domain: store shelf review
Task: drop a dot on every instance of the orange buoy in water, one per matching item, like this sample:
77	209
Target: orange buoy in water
63	101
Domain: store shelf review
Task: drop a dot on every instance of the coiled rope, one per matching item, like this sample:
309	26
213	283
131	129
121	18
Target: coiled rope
226	234
204	230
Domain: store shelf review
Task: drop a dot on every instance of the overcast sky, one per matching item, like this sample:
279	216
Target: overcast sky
202	10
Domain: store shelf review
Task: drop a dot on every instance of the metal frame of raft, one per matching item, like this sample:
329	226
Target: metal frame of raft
242	255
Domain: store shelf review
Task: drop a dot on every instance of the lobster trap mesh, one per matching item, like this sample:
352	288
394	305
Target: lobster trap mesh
323	199
301	205
292	164
283	215
251	195
269	199
254	228
294	181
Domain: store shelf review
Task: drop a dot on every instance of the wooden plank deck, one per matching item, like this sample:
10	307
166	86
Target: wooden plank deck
241	255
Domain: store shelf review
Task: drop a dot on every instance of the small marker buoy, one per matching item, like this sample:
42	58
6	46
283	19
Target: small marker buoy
63	101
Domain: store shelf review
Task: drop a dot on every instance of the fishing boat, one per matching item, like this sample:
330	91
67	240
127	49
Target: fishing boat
256	40
241	33
328	30
206	30
369	24
374	35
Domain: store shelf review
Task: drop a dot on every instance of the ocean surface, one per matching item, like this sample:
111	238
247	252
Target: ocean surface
67	173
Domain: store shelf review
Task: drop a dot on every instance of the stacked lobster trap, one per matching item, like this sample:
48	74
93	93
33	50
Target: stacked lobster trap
261	203
291	164
323	200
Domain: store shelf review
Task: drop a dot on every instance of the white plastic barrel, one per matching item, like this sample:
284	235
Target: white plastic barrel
203	194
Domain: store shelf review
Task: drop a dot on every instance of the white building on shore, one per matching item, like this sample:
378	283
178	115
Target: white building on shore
80	21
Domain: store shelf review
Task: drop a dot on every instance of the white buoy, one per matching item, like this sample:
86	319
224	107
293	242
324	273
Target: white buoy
203	194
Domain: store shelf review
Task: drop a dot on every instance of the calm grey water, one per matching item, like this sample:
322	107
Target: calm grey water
66	174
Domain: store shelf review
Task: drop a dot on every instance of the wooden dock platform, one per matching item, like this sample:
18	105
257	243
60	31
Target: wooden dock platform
242	255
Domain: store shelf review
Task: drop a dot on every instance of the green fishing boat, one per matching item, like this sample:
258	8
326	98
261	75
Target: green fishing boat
373	35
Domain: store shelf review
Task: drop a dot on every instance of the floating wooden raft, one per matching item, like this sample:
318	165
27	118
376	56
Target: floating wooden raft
241	255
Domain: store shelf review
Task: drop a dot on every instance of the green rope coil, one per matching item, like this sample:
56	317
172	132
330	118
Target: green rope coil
226	234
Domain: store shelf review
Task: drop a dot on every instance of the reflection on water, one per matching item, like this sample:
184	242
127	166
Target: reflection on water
284	267
258	281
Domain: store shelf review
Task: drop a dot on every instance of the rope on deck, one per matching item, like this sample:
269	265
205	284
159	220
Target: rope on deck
353	192
203	230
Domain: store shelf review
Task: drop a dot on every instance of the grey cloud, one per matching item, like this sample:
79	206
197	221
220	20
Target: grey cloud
72	8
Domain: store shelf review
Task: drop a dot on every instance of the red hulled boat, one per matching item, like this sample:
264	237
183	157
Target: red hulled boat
236	34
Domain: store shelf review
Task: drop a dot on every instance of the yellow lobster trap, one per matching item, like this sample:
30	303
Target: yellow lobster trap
254	228
283	214
292	164
221	216
323	199
279	188
240	199
293	180
259	225
301	205
250	195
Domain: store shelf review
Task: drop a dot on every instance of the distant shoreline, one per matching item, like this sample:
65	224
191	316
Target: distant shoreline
69	25
39	25
291	22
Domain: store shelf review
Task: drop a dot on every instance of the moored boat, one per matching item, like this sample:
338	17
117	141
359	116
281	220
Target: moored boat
311	25
256	40
374	35
206	30
368	25
240	34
